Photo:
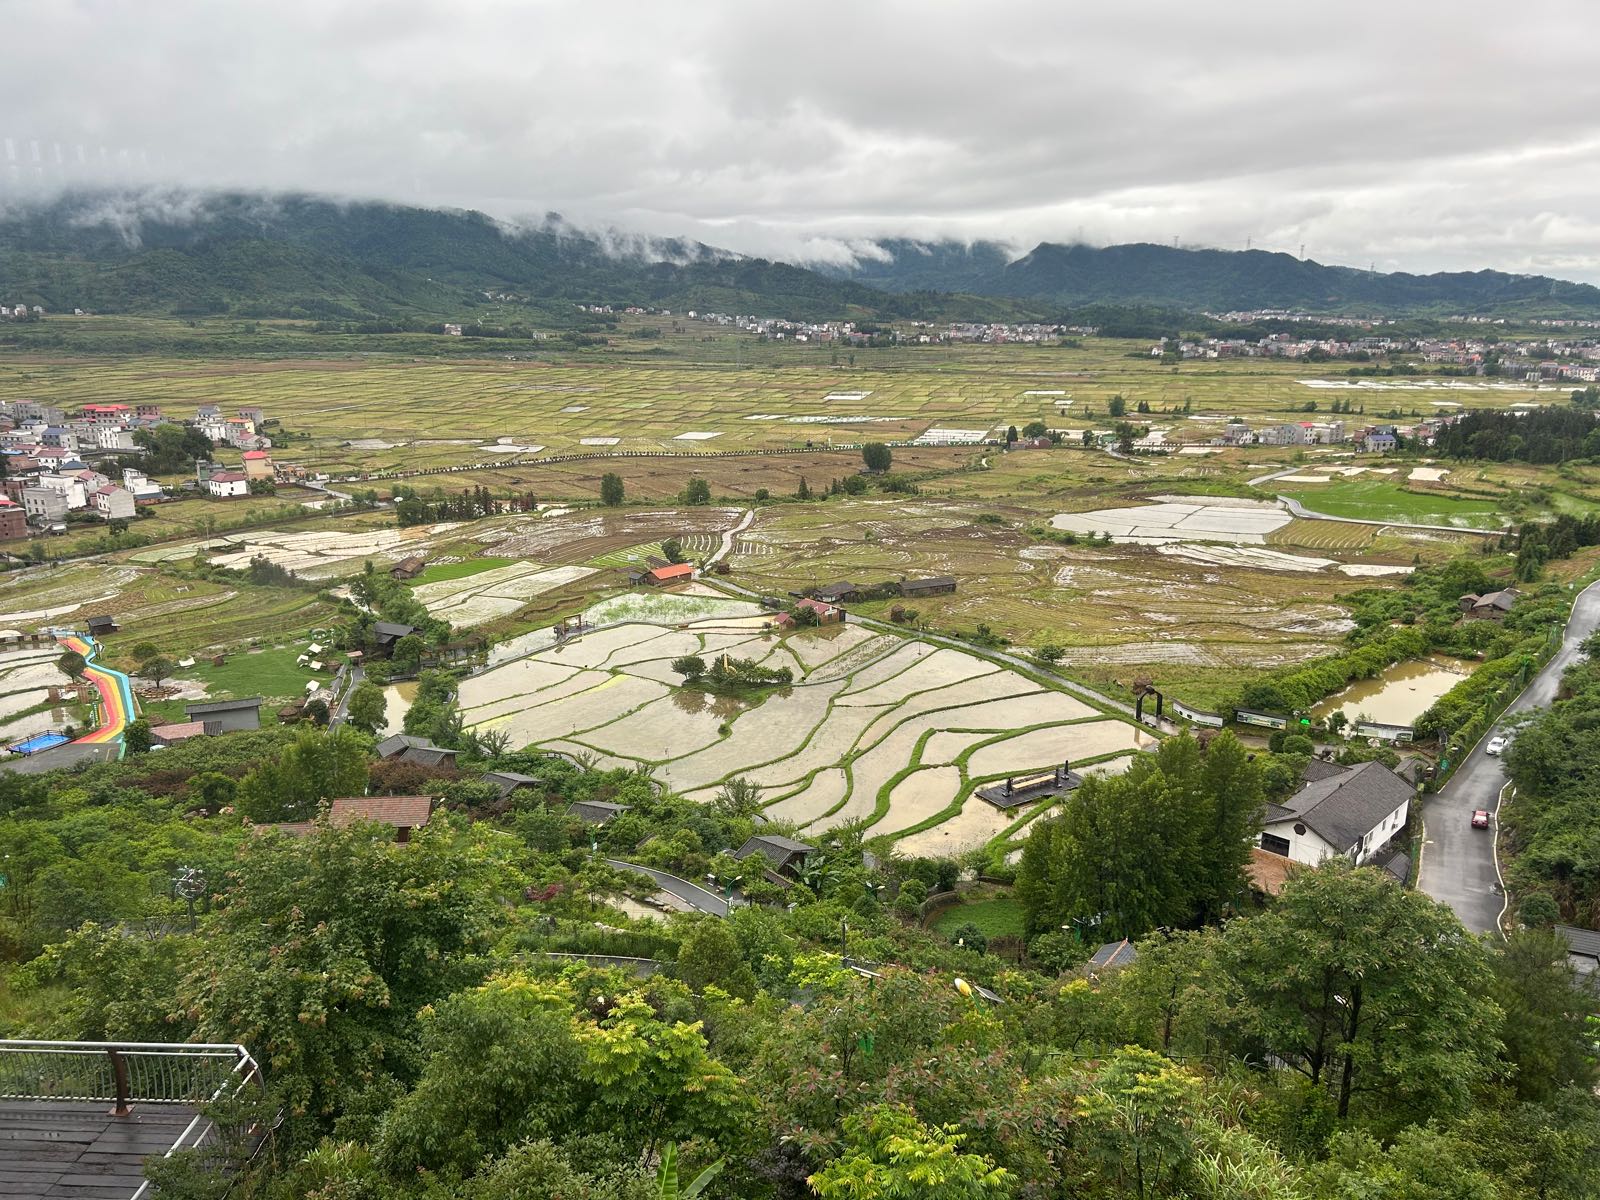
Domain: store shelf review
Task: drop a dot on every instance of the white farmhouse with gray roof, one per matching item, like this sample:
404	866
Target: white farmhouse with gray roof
1348	813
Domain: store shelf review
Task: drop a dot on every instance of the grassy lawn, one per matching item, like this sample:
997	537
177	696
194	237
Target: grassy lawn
1380	500
460	570
998	917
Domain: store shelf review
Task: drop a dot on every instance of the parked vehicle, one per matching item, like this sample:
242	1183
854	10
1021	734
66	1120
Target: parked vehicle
1496	744
1480	819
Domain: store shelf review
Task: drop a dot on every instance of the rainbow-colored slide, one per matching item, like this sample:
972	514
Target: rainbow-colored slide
117	705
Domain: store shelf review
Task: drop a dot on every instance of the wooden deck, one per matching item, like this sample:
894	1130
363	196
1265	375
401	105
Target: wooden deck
61	1149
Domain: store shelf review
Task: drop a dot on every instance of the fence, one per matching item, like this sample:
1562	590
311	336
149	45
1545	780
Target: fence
121	1073
1198	715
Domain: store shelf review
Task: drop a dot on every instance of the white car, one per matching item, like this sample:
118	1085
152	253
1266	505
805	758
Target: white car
1496	744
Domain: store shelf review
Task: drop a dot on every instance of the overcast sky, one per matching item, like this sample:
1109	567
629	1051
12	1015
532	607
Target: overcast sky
1416	134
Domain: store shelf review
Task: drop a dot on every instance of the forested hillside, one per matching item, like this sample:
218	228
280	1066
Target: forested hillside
265	256
1213	280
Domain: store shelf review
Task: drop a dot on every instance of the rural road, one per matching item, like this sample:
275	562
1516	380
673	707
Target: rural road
1458	863
692	894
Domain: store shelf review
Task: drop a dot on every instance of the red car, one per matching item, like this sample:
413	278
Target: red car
1480	819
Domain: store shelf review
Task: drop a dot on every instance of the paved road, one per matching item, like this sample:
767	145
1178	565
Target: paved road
692	894
1457	860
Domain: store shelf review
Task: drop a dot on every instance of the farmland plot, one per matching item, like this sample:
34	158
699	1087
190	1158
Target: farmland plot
846	742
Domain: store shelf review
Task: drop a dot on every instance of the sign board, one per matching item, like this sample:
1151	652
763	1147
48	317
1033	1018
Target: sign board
1197	715
1248	716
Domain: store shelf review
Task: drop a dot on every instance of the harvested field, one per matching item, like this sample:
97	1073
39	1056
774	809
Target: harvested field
495	593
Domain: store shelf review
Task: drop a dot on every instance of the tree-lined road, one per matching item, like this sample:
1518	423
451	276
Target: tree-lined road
1458	863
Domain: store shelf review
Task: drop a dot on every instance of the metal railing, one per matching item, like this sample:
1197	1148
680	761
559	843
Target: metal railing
124	1074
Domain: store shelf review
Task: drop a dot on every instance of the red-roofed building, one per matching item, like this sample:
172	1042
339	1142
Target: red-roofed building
827	614
224	484
670	574
257	464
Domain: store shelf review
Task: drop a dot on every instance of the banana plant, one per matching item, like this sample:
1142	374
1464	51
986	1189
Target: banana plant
667	1177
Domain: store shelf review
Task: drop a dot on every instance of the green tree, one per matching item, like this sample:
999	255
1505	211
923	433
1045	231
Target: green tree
672	550
407	655
708	953
1035	429
697	491
316	766
1117	407
156	668
890	1155
1368	990
611	491
368	707
136	737
325	948
1011	435
72	664
690	666
803	492
1134	1122
877	456
1546	1013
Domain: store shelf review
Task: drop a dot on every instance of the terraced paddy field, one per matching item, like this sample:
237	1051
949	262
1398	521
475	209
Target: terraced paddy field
886	732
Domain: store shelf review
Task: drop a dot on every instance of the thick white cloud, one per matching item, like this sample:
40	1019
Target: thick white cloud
1414	135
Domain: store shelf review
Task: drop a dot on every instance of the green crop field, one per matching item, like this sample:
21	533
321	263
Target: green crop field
438	572
998	917
1380	500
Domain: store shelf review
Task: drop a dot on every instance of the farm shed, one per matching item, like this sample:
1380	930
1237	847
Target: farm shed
511	781
230	715
407	568
669	574
938	585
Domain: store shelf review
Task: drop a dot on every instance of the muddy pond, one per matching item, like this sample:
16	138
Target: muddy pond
1398	695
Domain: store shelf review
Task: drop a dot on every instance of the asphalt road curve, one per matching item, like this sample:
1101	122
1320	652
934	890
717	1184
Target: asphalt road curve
1458	864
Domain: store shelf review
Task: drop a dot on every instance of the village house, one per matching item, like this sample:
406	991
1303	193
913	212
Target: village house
225	485
407	568
510	782
44	505
837	593
403	747
113	503
257	464
13	520
1491	606
386	633
596	812
1342	811
672	573
140	486
783	855
827	614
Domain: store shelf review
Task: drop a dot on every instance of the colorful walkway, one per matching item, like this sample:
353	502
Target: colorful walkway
117	705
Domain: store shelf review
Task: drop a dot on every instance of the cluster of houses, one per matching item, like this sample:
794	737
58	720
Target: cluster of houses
1378	438
55	463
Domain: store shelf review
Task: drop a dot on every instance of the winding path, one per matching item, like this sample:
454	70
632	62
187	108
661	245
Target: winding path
692	894
117	704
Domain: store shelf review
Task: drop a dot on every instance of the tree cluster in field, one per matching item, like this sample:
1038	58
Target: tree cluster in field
169	449
725	671
379	597
415	508
1346	1041
1536	435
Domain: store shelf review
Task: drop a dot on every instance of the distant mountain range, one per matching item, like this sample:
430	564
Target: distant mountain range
270	256
1209	280
299	256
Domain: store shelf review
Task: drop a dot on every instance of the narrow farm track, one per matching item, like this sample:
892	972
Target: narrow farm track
117	704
